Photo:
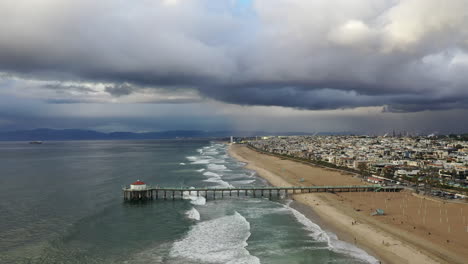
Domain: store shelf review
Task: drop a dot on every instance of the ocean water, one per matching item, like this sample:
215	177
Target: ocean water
61	202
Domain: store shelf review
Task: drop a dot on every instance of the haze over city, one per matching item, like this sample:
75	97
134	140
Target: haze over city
265	65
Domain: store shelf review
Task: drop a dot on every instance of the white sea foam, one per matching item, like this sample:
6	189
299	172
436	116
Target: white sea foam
340	246
194	199
241	182
211	152
221	240
199	159
218	161
183	164
192	158
217	167
211	174
193	214
332	240
315	231
210	157
220	183
216	178
258	209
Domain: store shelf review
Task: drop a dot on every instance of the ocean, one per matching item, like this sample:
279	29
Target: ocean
62	202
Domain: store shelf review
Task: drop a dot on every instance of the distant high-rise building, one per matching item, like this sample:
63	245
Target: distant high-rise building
232	140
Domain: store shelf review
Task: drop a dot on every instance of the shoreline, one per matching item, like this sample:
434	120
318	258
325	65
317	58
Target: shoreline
388	244
306	209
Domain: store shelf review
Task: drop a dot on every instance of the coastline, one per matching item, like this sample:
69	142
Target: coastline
304	207
337	212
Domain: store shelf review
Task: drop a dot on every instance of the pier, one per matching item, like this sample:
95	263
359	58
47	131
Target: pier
171	193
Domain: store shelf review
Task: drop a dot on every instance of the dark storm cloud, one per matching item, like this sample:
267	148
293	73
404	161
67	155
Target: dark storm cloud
60	87
120	89
409	55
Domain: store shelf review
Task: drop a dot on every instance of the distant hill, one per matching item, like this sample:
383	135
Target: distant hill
79	134
46	134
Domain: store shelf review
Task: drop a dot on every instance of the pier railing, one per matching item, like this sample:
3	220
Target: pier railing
156	192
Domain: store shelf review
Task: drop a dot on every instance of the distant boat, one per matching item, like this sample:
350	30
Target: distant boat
35	142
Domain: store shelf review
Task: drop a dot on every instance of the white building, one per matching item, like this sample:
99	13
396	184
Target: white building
138	185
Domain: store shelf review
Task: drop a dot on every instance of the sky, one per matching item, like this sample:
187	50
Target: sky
361	66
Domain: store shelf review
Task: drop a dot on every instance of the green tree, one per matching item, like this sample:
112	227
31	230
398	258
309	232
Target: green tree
363	169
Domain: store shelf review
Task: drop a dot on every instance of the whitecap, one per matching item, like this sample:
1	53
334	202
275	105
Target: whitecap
211	174
216	167
200	170
315	231
211	152
194	199
340	246
192	158
193	214
221	240
183	164
257	209
201	161
219	182
216	178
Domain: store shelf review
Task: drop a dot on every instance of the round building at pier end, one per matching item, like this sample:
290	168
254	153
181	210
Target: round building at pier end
138	185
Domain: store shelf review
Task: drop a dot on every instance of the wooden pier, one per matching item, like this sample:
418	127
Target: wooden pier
165	193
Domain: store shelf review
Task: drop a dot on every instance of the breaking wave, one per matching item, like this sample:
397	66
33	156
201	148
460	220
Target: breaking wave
193	214
334	244
221	240
194	199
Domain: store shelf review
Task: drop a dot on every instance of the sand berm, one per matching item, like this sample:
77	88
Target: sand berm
414	229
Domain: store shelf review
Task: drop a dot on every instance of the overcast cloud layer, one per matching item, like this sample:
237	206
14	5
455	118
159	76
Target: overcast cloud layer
403	55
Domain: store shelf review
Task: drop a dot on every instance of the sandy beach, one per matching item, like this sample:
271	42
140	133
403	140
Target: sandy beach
414	229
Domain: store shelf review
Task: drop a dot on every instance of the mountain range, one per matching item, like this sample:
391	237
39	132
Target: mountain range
44	134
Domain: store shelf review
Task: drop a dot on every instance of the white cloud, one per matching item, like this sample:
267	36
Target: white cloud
412	23
352	33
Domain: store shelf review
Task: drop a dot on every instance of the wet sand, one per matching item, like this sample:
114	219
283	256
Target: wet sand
414	229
